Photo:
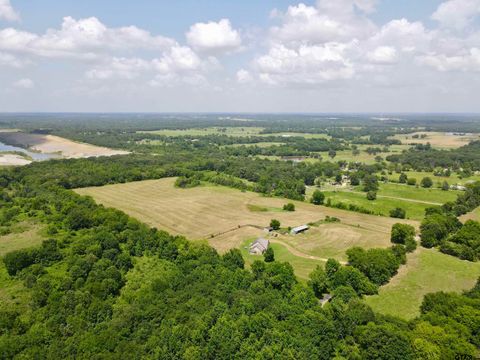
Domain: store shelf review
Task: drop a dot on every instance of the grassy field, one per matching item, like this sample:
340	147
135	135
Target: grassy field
228	217
473	215
363	157
426	271
413	200
437	180
302	266
23	235
439	140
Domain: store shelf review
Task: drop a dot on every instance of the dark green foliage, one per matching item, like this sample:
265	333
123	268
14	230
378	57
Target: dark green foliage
187	182
401	233
275	224
371	195
370	183
398	213
436	227
402	179
379	265
318	281
289	207
233	259
269	255
445	186
427	182
383	342
412	181
317	198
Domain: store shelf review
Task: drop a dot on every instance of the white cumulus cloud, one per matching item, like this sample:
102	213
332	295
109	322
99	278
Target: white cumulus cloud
215	37
457	14
7	12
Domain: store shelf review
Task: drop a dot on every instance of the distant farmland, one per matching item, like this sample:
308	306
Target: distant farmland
222	216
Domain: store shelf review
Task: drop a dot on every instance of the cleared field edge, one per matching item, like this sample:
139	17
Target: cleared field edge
426	271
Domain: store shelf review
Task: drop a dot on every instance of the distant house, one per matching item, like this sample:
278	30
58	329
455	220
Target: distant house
299	229
259	246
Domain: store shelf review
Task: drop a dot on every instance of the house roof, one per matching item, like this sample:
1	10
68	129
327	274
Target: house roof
261	243
300	228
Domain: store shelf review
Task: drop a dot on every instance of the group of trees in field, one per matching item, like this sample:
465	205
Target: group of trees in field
441	227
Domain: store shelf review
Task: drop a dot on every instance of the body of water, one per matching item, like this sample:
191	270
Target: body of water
34	155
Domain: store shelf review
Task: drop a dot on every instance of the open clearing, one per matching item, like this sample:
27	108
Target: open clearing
439	140
414	200
303	266
13	160
228	217
453	179
50	144
427	271
23	235
473	215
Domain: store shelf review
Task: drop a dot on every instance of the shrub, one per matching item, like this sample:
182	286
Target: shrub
275	224
371	195
269	255
289	207
398	213
412	181
427	182
401	232
317	197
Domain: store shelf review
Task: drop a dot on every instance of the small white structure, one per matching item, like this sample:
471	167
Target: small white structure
299	229
458	187
259	246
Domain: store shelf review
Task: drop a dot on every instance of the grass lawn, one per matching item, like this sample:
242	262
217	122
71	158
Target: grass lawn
414	200
420	194
437	180
381	206
24	235
302	266
426	271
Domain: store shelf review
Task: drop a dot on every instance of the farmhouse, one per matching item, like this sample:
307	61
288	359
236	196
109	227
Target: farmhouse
259	246
299	229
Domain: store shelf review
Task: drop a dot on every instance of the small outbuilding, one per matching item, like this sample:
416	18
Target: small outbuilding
299	229
259	246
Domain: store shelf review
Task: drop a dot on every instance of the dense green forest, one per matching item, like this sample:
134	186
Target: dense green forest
106	286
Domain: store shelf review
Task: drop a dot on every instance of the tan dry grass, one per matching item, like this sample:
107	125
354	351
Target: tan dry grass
49	144
201	212
13	160
438	139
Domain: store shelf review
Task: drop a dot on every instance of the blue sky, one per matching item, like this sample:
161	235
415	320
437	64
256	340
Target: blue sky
206	55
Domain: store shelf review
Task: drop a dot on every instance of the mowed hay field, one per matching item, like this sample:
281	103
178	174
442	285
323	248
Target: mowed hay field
427	271
223	215
439	140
